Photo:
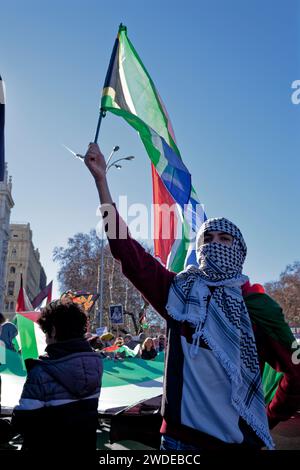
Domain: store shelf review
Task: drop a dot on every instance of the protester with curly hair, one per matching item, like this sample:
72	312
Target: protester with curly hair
59	401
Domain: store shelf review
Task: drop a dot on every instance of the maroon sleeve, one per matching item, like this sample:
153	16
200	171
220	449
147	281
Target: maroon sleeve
286	401
140	267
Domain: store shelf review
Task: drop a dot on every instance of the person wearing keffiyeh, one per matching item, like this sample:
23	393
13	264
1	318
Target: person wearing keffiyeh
221	331
210	298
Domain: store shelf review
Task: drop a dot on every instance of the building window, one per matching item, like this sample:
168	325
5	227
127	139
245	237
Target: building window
13	252
12	306
11	286
12	270
6	306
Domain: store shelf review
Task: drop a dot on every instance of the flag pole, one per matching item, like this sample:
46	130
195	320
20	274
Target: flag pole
101	115
107	78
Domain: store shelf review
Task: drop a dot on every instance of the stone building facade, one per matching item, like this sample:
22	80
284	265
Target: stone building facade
6	204
23	258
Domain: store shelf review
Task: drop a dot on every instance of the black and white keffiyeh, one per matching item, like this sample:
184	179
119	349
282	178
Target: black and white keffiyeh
221	319
220	262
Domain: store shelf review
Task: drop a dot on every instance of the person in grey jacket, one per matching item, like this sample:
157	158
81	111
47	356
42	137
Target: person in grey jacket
59	401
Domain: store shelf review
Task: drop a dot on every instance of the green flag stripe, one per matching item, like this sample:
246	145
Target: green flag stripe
27	336
176	264
141	89
131	371
11	362
143	130
270	381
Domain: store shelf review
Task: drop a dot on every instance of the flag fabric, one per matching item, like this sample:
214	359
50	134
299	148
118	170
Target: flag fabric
120	349
2	121
23	302
32	340
142	317
270	381
162	245
85	299
29	344
28	329
33	315
45	293
129	92
124	383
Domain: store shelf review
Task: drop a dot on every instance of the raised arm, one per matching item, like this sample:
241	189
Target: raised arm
142	269
95	162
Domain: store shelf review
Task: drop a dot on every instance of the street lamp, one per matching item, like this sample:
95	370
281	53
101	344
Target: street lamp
101	277
109	165
131	157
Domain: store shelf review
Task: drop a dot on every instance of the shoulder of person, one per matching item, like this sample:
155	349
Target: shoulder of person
13	327
33	366
256	298
262	301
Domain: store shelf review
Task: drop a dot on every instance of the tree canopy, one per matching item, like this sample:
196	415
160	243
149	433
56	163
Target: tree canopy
79	269
286	291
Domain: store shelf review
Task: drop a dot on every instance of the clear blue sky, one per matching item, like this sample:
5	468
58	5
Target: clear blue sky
224	71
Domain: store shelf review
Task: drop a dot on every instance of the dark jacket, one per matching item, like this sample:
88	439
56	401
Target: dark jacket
58	405
148	354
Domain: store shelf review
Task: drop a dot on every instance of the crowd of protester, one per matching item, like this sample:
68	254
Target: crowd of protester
221	332
144	347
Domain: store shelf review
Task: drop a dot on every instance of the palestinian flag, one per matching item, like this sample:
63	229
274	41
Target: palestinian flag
31	338
124	383
23	302
29	344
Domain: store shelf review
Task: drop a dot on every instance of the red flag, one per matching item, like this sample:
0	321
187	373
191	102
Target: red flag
112	348
165	222
23	302
33	316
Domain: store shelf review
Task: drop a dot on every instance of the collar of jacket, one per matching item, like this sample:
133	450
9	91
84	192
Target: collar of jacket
64	348
59	350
